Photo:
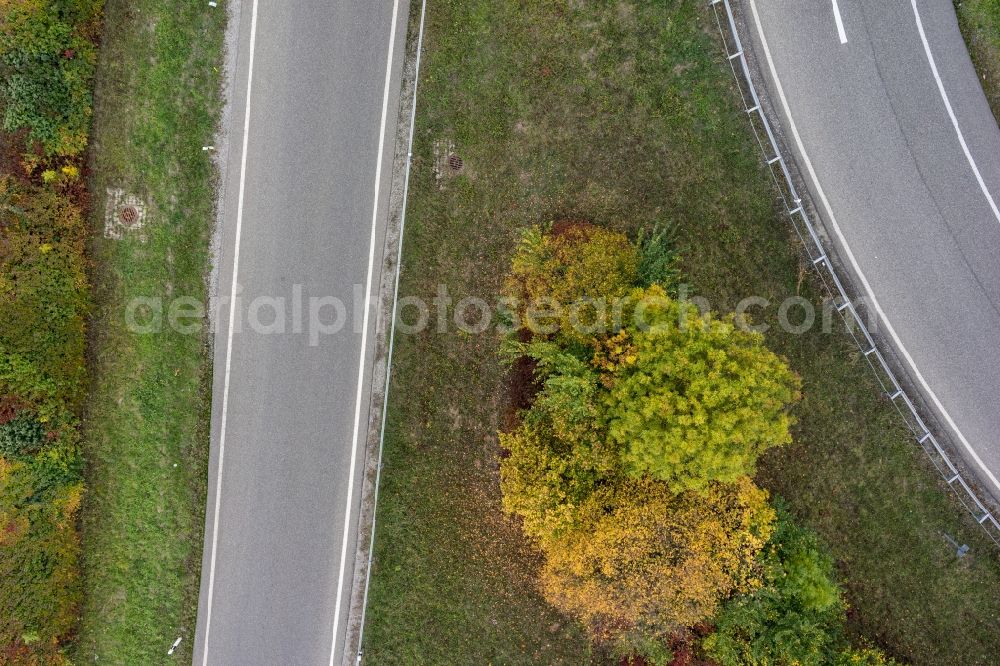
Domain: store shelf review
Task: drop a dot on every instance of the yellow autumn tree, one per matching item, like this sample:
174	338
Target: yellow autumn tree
558	454
566	280
624	554
644	560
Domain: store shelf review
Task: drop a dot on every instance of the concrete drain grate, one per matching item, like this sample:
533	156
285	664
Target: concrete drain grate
129	216
447	163
124	214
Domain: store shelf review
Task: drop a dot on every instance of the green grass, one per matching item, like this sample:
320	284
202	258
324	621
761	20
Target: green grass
145	429
625	114
980	23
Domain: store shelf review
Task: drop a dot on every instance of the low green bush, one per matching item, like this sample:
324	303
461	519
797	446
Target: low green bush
796	617
23	435
658	258
47	59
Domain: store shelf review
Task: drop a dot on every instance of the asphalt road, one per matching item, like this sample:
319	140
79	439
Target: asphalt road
901	154
303	177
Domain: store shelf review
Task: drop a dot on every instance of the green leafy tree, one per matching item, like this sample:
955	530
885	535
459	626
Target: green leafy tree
47	56
693	399
794	618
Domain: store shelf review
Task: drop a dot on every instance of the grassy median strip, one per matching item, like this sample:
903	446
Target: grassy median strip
624	114
146	435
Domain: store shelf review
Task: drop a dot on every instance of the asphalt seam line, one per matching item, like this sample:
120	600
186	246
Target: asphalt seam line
364	332
850	255
229	339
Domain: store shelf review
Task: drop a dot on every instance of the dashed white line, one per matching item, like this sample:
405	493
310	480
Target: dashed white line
229	338
951	112
840	23
853	260
364	336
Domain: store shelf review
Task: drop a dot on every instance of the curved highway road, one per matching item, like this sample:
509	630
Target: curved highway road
314	101
901	153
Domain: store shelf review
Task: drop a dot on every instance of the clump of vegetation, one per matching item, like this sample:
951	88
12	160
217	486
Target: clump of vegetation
634	547
43	291
795	617
644	562
567	282
20	436
47	59
47	56
631	469
621	551
693	399
43	302
39	581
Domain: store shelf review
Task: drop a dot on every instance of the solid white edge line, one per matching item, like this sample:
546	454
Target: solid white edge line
392	321
850	255
840	23
951	112
229	337
364	333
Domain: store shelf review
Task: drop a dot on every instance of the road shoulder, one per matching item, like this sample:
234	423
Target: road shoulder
385	308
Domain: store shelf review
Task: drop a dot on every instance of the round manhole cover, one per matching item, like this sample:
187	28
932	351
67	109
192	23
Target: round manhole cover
129	215
455	163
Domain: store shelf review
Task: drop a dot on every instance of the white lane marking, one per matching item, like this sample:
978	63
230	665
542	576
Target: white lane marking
364	333
951	112
229	337
392	320
840	23
850	255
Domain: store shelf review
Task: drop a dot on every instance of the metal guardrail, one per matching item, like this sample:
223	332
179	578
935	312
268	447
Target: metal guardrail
817	255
